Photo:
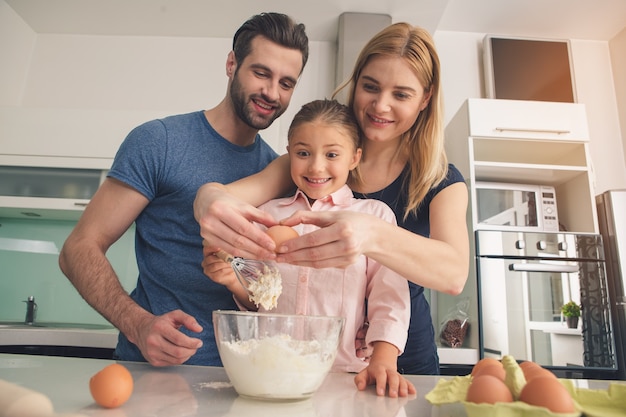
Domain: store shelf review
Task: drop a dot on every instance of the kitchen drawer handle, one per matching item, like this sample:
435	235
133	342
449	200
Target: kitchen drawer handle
78	204
514	129
543	268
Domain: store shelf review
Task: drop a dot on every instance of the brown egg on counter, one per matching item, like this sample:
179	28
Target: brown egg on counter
488	389
280	234
548	392
112	386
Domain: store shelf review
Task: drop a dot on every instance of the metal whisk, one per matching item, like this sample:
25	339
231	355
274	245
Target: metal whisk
248	270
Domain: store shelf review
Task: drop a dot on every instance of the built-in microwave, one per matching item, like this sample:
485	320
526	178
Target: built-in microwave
523	207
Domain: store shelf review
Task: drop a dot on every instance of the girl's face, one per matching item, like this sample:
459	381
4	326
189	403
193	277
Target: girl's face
388	98
321	157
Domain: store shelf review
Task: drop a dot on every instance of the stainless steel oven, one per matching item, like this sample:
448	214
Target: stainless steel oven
523	280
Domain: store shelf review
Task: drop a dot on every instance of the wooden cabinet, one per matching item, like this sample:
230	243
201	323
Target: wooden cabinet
526	142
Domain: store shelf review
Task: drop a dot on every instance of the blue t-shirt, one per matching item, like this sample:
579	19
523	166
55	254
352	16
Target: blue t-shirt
420	354
167	160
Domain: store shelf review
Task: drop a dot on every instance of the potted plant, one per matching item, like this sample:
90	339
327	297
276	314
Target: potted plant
571	312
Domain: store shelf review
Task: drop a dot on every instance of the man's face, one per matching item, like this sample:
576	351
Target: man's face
262	85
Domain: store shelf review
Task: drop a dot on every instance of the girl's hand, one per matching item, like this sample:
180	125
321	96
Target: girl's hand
226	222
219	271
386	379
343	237
222	273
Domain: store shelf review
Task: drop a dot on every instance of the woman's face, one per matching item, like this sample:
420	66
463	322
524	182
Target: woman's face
388	98
321	157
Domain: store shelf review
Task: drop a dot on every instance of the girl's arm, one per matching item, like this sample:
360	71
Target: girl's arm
226	213
382	371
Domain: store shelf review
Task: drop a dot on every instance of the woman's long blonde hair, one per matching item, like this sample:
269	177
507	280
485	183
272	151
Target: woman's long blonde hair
423	143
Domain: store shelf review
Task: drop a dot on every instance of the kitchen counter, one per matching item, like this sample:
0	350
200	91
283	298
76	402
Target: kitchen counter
56	334
205	391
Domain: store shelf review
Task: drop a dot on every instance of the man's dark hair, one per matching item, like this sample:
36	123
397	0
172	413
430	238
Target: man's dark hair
276	27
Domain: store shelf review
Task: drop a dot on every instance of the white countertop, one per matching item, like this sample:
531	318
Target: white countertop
197	391
206	391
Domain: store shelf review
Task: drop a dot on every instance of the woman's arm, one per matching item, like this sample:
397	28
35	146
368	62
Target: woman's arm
226	213
440	262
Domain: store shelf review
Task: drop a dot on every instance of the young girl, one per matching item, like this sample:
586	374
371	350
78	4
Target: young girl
323	148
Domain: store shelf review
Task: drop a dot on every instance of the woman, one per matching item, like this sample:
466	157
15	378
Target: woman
396	97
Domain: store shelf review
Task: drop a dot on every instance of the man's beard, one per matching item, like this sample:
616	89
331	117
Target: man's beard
247	115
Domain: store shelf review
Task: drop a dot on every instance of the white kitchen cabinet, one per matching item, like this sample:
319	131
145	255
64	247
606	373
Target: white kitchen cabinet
524	142
528	142
68	133
52	160
47	192
540	143
527	120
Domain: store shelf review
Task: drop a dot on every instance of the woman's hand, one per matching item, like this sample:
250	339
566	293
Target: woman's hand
343	237
439	262
226	222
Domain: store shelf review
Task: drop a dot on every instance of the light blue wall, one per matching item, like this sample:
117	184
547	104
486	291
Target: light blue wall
24	271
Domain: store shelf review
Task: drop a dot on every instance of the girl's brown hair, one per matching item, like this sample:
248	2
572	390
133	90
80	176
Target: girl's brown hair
423	143
331	113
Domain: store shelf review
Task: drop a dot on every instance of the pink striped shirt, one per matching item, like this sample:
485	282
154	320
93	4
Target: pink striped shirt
342	292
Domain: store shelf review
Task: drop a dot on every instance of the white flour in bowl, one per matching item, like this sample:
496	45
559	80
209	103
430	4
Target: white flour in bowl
277	367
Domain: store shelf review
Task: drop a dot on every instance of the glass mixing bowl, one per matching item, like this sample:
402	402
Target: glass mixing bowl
276	356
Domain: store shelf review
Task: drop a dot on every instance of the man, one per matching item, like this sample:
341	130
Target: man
166	320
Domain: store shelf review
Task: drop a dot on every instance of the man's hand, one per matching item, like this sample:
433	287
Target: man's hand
160	341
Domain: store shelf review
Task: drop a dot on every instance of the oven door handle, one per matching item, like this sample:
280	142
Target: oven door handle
539	267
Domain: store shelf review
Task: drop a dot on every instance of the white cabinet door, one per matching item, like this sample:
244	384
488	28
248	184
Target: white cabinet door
76	133
529	120
46	192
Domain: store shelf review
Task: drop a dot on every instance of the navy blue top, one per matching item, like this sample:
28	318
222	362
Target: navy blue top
420	354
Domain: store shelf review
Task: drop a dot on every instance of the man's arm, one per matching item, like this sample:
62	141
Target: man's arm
83	260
